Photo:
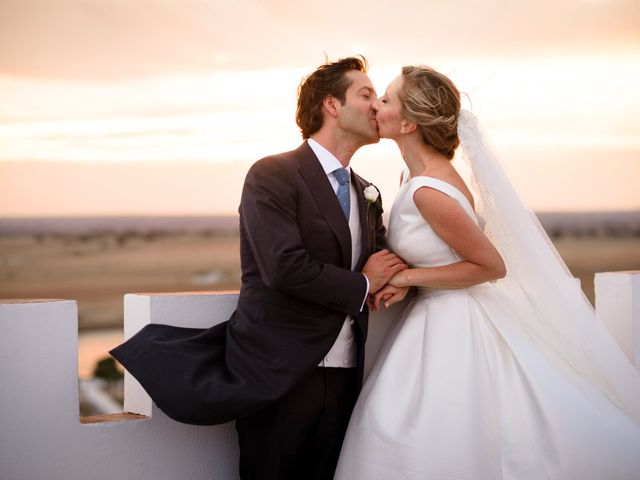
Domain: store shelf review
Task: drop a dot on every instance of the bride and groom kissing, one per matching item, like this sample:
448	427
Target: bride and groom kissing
478	378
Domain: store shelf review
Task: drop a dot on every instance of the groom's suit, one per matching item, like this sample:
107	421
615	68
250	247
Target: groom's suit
297	288
297	282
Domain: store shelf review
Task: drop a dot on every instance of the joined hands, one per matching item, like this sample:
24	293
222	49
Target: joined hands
387	296
380	268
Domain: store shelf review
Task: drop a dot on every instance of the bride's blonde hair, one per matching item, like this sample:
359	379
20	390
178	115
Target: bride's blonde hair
432	101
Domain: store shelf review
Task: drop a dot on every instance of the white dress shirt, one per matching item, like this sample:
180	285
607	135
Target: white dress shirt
343	353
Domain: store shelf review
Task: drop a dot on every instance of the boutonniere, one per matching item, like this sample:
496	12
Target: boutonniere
371	194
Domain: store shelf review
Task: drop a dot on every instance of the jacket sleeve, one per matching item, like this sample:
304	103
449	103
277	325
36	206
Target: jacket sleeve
268	211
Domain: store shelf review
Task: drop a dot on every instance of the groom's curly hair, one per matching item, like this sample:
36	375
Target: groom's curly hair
327	79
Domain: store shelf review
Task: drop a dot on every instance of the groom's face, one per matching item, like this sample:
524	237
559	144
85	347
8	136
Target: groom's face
357	117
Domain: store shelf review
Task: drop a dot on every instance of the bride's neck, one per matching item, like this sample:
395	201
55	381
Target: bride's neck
419	157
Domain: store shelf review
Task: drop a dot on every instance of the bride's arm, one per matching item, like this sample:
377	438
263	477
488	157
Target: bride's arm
480	262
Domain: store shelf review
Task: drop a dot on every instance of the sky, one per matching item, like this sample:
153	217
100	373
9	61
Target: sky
160	106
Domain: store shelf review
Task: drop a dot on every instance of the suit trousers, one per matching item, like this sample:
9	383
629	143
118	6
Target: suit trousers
299	436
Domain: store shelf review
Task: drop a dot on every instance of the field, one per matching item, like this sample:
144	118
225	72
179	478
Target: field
98	269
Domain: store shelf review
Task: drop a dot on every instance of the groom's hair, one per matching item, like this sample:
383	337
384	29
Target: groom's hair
328	79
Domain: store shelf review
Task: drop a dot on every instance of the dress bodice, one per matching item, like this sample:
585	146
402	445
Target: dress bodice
410	236
465	385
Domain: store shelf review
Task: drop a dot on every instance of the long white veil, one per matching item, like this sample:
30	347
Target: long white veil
551	307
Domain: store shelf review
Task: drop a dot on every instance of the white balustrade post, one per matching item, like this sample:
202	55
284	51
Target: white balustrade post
189	309
618	307
41	433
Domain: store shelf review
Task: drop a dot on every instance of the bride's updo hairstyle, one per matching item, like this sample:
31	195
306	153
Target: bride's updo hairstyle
432	101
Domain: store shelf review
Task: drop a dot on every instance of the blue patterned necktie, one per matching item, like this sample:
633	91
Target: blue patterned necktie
344	198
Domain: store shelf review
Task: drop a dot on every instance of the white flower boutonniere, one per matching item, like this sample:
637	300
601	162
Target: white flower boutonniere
371	194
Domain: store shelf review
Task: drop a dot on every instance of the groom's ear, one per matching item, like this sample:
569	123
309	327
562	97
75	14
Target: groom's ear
407	127
330	105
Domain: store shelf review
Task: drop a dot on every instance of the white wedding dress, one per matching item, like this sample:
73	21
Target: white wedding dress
460	391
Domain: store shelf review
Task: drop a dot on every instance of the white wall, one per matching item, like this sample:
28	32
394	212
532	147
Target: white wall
41	436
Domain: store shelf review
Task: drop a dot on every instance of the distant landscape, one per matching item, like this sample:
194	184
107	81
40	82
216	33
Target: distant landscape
623	223
97	260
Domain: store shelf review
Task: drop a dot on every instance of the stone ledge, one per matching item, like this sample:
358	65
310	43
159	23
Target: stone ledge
11	301
115	417
186	294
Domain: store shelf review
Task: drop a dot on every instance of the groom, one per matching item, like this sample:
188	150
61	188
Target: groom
308	243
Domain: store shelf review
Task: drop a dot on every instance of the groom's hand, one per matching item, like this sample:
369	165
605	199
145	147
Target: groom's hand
380	267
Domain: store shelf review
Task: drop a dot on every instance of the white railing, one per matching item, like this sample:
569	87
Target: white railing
41	435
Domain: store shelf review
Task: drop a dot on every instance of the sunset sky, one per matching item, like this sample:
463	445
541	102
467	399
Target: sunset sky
159	107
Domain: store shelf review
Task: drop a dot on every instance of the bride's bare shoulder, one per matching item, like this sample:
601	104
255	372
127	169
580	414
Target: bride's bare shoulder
451	176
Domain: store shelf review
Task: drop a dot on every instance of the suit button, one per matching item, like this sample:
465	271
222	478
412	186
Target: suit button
349	342
327	358
352	321
345	363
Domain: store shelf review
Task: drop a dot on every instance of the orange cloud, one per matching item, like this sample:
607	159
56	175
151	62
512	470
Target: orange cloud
93	39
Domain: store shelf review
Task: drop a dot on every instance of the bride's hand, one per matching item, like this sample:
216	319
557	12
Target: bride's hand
370	302
389	295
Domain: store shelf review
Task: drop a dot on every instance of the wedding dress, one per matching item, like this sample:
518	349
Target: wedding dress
503	380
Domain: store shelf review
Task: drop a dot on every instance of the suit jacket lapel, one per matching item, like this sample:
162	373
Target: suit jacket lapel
360	185
326	200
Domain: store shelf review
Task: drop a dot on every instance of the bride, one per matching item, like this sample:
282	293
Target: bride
482	379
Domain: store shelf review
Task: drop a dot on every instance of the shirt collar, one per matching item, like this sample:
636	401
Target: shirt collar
328	161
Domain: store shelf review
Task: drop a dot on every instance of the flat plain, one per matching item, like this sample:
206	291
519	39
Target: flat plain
98	269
